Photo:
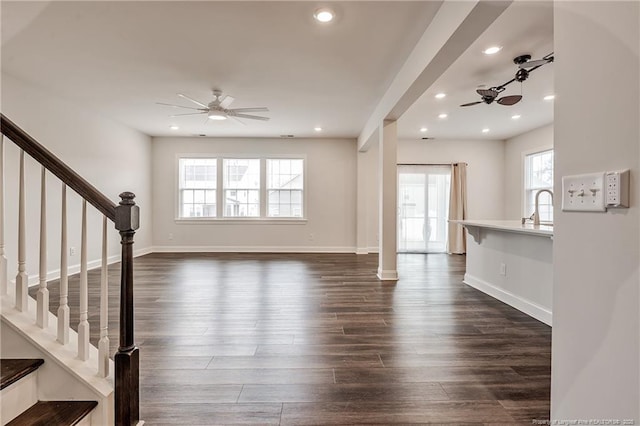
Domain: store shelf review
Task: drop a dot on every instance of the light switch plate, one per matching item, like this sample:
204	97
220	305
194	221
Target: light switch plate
584	193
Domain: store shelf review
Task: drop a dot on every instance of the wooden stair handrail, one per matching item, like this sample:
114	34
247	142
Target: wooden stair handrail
56	166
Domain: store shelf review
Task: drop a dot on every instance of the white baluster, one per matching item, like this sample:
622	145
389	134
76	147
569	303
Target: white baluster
63	309
42	315
21	279
3	257
83	326
103	344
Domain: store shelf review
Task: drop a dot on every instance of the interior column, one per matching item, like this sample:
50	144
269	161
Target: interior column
388	184
361	204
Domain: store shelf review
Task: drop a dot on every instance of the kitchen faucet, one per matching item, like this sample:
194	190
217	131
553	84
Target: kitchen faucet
536	214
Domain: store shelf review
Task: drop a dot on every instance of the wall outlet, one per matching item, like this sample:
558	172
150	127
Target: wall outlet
170	236
503	269
583	193
617	188
311	236
72	251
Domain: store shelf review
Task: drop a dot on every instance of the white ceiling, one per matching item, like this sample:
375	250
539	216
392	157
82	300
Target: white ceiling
120	58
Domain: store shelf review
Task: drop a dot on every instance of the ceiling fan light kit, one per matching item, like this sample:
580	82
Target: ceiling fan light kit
217	115
525	67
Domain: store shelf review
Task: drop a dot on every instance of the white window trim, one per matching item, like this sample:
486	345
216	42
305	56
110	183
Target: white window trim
523	169
220	219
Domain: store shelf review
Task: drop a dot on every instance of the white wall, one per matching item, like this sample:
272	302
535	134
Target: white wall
111	156
595	350
515	149
331	198
485	169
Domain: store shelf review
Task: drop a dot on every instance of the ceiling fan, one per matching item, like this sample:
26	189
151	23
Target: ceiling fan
218	109
525	67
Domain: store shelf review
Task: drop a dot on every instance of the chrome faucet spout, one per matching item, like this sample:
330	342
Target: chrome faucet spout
536	213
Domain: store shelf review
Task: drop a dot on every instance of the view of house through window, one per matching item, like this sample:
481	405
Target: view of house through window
284	187
197	187
245	184
241	187
423	208
538	174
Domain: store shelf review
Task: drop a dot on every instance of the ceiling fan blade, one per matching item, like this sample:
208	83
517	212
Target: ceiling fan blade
491	93
237	120
192	100
536	63
226	102
252	117
471	103
178	106
509	100
257	109
189	113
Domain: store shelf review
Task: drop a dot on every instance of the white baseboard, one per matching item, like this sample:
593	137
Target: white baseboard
251	249
387	275
367	250
528	307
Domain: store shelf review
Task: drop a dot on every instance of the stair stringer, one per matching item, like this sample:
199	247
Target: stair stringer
62	376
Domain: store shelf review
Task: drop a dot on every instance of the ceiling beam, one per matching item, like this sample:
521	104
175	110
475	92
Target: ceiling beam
453	29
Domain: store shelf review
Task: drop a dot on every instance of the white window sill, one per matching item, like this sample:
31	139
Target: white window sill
237	220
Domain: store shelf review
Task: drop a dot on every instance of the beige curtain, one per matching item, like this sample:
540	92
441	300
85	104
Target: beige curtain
456	242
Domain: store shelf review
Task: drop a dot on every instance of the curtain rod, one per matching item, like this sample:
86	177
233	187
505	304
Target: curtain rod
432	164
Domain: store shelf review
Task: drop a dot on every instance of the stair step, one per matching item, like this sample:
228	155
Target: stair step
15	369
54	413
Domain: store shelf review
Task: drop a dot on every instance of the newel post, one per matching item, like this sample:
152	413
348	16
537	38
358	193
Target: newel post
127	358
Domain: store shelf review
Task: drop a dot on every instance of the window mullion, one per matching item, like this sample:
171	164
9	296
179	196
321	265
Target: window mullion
219	188
263	187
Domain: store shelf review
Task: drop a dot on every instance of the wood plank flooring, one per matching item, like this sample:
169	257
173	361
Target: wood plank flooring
297	339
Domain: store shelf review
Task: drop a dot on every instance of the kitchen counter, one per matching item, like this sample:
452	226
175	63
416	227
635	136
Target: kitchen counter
509	226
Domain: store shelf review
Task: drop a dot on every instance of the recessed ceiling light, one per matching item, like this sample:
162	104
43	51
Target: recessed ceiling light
440	95
324	15
492	50
549	97
317	129
485	130
174	127
423	129
515	117
443	115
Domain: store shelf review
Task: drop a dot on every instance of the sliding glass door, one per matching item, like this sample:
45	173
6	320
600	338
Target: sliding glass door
423	208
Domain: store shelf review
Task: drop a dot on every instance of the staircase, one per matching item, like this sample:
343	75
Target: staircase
51	374
19	398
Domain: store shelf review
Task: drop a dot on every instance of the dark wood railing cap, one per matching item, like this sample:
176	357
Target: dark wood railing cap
127	198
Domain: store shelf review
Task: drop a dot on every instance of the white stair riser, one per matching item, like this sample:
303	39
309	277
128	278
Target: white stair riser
18	397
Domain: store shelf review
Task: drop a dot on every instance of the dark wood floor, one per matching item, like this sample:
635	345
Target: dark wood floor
317	339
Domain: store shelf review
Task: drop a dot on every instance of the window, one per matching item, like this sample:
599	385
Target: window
284	187
197	187
538	174
241	187
246	188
